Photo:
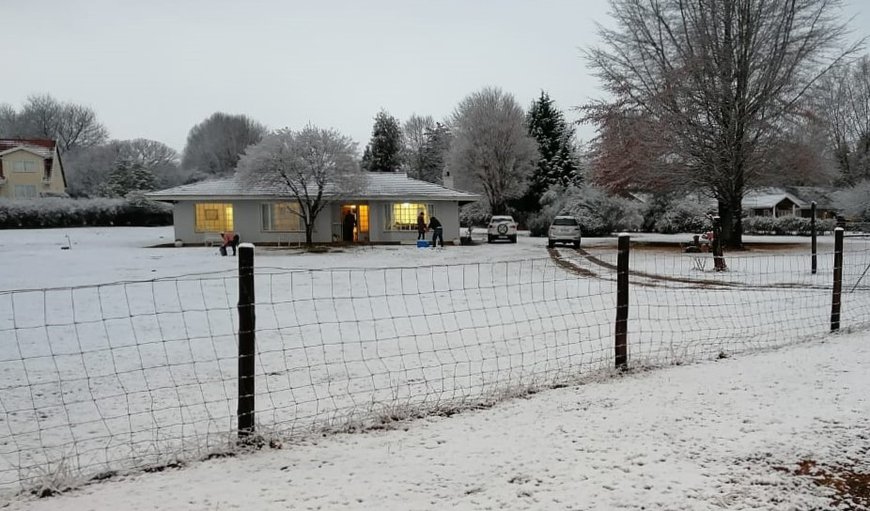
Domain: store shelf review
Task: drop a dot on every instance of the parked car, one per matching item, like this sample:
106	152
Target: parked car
564	229
502	227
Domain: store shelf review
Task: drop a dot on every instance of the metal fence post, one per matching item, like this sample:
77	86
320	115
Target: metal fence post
621	340
838	278
813	234
247	342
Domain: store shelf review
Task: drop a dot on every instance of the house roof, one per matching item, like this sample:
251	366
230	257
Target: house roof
376	185
40	147
764	198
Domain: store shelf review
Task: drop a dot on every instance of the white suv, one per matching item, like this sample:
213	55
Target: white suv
564	229
502	227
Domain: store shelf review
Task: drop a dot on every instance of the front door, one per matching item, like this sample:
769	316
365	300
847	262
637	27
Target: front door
354	223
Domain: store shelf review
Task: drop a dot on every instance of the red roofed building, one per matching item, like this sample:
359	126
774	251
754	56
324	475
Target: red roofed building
30	168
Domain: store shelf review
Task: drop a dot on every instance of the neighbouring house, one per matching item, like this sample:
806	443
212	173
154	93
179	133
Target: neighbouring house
790	201
385	210
30	168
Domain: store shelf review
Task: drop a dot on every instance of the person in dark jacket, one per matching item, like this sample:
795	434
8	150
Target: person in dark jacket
349	224
437	231
421	226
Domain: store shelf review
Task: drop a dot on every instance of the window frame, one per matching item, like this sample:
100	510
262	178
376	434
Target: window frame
390	224
25	167
268	206
229	221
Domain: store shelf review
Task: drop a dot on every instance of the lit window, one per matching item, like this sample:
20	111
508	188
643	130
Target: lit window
214	217
403	216
281	217
25	191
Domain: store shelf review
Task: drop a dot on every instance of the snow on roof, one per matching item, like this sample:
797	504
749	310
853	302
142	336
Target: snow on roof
769	198
41	147
377	185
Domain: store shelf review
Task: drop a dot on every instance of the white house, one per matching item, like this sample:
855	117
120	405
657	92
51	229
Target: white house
384	210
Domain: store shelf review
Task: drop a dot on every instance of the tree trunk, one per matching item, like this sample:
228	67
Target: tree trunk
731	215
309	233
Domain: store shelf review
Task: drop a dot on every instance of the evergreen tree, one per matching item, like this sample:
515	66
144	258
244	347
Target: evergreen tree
557	164
128	176
384	152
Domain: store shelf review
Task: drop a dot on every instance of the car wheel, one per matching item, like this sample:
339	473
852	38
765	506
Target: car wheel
513	238
551	243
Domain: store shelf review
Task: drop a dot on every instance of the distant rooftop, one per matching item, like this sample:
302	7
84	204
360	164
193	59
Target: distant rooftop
41	146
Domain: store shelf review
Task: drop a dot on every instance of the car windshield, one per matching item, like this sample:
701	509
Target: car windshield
565	221
502	219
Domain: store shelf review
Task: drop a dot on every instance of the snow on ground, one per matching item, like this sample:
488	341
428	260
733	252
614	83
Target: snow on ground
717	435
131	375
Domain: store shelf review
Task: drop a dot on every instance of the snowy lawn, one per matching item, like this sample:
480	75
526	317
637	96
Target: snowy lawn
718	435
111	376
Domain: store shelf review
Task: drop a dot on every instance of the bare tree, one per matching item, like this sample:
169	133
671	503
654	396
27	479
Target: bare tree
8	120
215	145
414	137
73	126
843	101
718	79
491	151
88	169
310	166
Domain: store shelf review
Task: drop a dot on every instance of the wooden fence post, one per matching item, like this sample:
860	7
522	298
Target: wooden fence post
621	340
838	278
718	254
813	234
247	342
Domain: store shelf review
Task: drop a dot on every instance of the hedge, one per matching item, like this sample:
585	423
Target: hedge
784	225
66	212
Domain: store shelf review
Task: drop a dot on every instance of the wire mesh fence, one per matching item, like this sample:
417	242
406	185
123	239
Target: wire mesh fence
97	380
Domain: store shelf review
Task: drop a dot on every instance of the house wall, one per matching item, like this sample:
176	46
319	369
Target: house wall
247	223
55	185
447	213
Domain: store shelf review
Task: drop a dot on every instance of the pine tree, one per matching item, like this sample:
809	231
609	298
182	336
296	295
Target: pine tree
557	164
126	177
384	152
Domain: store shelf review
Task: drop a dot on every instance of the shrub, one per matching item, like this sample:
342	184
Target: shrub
786	225
682	215
65	212
598	212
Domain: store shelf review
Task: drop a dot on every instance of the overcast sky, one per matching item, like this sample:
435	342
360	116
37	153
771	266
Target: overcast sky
155	68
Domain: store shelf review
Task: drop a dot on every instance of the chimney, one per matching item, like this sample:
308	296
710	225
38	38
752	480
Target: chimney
447	178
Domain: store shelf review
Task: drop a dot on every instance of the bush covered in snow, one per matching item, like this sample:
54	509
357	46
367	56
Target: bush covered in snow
854	203
669	216
785	225
474	214
598	212
135	210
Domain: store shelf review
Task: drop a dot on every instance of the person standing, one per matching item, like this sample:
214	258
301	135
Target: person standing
437	231
349	224
421	226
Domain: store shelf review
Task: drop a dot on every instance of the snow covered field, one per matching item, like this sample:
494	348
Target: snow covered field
718	435
109	376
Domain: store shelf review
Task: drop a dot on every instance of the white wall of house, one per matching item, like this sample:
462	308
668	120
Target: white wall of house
248	223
